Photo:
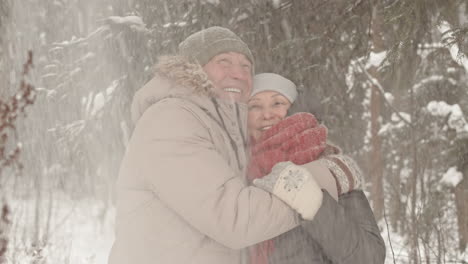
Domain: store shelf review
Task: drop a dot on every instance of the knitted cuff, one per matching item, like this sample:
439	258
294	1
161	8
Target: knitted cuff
347	174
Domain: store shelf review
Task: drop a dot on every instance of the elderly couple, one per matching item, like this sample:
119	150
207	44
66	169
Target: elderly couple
200	183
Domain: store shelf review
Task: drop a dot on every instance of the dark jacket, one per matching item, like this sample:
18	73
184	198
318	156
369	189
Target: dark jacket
341	232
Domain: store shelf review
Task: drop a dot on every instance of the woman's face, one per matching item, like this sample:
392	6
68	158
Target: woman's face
265	110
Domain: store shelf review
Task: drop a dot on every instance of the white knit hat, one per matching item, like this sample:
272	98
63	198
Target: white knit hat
273	82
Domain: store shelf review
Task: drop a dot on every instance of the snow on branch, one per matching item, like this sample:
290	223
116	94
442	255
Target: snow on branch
447	37
452	177
455	115
134	22
395	124
432	79
376	59
175	24
74	40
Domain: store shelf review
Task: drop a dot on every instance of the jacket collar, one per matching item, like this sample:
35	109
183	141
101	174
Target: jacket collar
176	76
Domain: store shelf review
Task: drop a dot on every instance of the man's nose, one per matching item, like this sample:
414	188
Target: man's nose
239	72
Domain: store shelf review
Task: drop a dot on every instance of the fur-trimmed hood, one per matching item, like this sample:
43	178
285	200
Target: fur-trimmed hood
175	76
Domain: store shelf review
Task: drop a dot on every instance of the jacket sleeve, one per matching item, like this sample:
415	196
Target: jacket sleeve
171	151
346	230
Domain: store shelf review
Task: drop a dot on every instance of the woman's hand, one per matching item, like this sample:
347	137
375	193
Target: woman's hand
306	146
286	130
298	138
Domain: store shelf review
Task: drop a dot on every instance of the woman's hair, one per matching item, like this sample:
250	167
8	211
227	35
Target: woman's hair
306	104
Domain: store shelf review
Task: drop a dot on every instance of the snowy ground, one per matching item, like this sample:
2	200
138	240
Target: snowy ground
398	250
81	232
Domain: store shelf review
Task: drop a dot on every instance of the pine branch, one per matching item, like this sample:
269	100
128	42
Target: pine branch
449	39
382	92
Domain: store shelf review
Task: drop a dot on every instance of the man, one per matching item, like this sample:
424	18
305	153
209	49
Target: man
182	193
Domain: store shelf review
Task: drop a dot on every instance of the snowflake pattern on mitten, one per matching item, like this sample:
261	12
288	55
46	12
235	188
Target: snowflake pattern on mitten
293	180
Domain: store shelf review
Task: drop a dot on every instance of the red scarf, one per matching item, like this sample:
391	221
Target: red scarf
298	138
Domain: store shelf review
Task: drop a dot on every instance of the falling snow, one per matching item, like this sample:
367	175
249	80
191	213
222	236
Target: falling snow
91	56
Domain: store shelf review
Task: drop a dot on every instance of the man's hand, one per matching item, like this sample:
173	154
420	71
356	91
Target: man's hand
295	186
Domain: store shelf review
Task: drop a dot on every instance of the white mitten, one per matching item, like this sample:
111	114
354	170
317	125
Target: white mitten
295	186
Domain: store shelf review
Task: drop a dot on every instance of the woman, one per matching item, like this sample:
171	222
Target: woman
342	231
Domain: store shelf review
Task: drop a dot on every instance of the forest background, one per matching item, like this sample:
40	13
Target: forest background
389	78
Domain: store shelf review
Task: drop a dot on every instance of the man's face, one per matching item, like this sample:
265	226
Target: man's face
231	75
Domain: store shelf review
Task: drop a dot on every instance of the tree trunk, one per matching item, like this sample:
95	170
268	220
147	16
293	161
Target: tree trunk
461	198
4	229
376	164
414	248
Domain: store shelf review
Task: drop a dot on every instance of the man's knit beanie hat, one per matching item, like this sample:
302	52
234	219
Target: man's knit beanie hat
207	43
273	82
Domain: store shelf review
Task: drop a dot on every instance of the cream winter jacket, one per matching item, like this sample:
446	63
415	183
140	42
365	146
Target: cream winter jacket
182	195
